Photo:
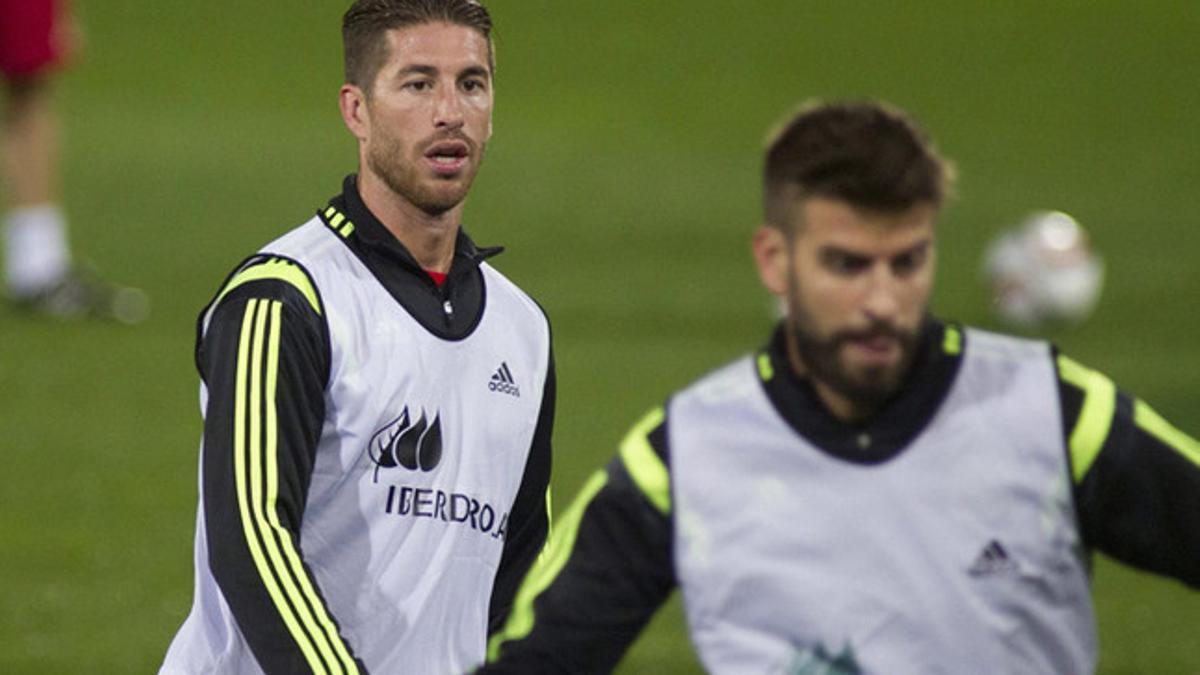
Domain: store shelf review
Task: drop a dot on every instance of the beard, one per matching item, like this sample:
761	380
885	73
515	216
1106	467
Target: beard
389	159
865	387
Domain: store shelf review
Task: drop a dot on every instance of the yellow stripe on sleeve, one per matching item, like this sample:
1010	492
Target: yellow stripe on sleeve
278	269
1155	425
246	364
259	498
547	567
644	465
272	513
1095	417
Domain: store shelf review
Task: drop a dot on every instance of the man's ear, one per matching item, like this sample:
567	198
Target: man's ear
770	246
353	103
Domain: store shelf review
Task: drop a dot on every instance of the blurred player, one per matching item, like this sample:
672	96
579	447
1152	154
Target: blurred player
36	36
875	491
378	399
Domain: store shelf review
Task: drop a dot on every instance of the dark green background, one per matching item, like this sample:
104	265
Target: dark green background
623	179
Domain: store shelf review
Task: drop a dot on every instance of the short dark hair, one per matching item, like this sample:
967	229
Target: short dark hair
868	154
366	23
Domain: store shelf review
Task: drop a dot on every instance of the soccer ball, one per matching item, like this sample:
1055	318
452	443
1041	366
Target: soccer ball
1043	272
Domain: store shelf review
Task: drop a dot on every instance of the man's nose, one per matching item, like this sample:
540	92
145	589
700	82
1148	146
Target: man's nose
883	294
447	109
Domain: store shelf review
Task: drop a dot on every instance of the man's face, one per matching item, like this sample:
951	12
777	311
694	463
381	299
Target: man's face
428	115
856	285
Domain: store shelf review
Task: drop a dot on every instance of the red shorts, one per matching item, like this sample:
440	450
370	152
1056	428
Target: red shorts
33	36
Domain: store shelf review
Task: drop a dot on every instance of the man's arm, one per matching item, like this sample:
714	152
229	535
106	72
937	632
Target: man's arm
265	360
1136	477
529	517
606	570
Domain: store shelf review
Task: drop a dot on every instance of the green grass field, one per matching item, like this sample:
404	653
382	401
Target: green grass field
623	180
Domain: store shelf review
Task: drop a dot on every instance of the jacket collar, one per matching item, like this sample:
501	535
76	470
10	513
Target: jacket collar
894	426
372	233
450	311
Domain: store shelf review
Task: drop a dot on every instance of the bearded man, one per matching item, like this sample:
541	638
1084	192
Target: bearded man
875	491
378	399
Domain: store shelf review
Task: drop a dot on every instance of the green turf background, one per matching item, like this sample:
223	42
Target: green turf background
623	180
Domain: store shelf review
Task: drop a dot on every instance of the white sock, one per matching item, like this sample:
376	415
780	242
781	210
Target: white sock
35	248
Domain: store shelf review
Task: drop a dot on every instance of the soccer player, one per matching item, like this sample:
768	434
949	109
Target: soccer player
876	490
35	37
378	399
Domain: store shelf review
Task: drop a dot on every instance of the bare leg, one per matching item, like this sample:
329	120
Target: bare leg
34	229
31	144
38	270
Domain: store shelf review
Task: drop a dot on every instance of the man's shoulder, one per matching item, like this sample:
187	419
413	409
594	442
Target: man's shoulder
280	270
497	282
728	382
314	247
990	345
311	239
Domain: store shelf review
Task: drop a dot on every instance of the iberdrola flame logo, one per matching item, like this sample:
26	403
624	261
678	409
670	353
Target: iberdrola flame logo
818	661
403	442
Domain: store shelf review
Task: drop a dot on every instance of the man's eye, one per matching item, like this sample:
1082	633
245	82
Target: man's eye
908	263
472	85
844	264
418	85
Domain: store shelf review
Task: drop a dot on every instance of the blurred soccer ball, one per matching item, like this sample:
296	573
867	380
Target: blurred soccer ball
1044	271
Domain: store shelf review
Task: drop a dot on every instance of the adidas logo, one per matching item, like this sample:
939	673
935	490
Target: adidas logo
992	560
503	382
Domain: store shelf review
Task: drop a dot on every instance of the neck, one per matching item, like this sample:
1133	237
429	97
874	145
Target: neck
843	408
428	237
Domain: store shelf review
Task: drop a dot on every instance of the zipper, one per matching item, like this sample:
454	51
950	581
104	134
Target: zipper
444	290
447	306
